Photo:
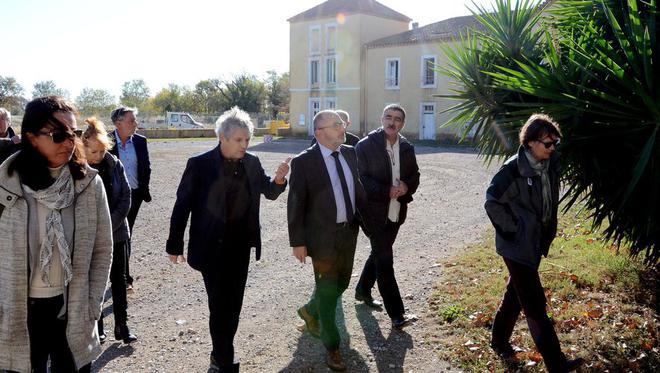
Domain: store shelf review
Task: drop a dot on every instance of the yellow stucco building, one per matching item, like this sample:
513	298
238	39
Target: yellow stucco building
359	55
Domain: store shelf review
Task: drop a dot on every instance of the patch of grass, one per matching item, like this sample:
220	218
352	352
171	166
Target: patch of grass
603	303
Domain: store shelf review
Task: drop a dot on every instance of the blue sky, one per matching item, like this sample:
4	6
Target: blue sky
101	44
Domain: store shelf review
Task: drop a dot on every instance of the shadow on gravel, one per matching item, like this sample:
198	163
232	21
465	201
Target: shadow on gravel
115	350
309	355
390	352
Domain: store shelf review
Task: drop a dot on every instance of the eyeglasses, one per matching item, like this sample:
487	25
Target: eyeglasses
59	137
550	143
335	125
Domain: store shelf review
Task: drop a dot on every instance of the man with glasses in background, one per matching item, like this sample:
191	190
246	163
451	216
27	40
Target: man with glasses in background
522	202
351	139
10	142
324	203
390	175
131	149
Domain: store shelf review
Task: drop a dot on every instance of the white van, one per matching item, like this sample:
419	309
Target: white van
182	120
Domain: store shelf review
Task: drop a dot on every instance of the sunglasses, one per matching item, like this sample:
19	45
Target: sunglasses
550	143
59	137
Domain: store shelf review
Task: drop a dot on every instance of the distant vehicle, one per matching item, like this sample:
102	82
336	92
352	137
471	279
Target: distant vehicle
182	120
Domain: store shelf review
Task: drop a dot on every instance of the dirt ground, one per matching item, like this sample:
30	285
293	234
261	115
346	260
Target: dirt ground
169	313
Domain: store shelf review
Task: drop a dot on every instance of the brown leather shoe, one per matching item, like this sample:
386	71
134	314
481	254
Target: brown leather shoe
334	361
310	322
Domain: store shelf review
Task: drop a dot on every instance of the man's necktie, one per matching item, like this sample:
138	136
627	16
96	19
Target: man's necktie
344	187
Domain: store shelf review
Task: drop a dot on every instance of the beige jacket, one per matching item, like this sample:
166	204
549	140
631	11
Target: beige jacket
91	258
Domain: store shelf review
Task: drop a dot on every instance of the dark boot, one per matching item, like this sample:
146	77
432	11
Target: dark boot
234	368
123	333
102	336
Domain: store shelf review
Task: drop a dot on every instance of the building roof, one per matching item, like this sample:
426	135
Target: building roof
331	8
444	30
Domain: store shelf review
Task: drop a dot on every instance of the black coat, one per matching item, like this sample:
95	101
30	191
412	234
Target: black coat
311	207
7	146
376	174
201	195
119	196
144	165
514	203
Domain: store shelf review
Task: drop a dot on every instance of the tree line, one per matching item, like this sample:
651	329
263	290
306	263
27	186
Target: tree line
269	96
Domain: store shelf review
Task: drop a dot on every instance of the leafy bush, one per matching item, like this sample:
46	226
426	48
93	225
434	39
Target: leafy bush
591	66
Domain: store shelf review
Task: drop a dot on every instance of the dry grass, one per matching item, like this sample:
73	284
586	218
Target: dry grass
604	305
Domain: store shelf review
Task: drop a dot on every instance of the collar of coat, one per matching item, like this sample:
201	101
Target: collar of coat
526	170
12	184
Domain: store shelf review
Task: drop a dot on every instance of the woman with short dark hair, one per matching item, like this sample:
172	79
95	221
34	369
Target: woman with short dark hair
56	246
522	202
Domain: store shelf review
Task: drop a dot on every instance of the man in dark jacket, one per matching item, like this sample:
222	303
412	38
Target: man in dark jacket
220	190
131	149
325	200
10	142
522	202
390	175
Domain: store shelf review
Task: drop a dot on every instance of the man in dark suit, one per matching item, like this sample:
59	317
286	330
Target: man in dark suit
131	149
351	139
389	172
325	198
220	190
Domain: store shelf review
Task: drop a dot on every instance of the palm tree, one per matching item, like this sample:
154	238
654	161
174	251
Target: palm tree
596	74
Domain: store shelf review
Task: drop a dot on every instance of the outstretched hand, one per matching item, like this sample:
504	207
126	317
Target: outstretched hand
282	170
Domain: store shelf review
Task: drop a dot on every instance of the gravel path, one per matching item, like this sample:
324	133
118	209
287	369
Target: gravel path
169	313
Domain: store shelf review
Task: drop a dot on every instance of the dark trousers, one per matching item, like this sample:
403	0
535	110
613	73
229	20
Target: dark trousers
136	202
225	286
48	337
525	292
118	284
380	267
331	279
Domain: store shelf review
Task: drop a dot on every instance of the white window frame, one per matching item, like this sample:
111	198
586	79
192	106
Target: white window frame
423	71
310	126
312	29
327	101
328	71
388	82
327	37
313	84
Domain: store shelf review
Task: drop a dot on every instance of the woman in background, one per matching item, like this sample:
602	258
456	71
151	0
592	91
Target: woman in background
97	143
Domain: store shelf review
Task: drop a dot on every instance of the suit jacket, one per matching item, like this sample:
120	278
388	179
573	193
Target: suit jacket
376	175
144	165
311	207
201	195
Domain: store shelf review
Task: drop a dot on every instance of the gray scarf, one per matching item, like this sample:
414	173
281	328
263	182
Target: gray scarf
56	197
541	169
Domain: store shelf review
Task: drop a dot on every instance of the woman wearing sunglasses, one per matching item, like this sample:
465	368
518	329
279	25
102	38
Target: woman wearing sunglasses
56	246
97	143
522	202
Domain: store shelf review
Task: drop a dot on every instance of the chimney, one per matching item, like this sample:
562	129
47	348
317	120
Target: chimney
415	25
